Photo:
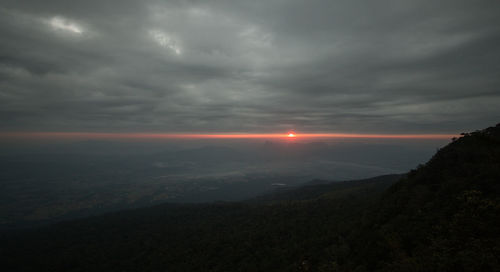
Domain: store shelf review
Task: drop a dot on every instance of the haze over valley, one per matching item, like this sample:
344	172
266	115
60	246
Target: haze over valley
53	181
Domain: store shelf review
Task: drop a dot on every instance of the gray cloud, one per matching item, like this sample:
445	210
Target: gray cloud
257	66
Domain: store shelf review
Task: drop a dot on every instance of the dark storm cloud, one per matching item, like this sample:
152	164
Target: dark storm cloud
360	66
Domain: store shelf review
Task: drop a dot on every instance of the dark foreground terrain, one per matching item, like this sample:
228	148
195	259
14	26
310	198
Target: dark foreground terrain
442	216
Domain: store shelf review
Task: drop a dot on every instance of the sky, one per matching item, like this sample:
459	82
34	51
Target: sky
272	66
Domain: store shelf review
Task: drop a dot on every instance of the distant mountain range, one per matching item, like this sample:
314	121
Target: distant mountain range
442	216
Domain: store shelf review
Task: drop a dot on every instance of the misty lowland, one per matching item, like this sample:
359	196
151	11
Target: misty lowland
56	182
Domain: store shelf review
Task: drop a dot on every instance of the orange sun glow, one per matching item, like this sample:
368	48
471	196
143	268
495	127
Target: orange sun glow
290	134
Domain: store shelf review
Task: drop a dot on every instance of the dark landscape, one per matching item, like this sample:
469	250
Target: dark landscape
442	216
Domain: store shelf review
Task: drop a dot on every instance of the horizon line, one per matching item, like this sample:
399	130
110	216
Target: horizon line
135	135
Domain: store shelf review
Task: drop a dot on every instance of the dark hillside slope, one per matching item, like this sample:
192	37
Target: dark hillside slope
443	216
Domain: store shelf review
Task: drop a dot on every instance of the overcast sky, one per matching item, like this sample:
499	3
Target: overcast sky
255	66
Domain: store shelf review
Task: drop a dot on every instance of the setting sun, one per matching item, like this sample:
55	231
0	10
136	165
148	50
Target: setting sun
291	135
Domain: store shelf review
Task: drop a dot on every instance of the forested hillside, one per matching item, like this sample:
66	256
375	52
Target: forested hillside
442	216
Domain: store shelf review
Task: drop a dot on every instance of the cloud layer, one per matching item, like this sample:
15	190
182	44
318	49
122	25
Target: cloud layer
254	66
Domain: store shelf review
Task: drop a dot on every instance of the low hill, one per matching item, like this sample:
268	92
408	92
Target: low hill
442	216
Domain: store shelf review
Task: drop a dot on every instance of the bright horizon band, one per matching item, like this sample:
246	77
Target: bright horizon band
103	135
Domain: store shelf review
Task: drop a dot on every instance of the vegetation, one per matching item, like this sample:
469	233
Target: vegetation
442	216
